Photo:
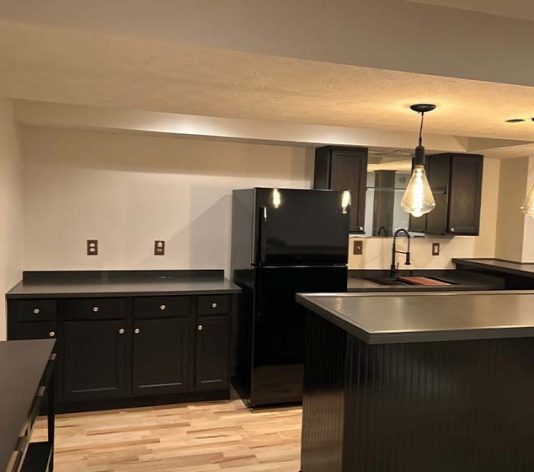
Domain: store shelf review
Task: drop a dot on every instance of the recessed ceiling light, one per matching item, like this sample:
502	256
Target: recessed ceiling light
516	120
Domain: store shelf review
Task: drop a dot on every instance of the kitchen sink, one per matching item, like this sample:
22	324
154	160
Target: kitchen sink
386	281
420	281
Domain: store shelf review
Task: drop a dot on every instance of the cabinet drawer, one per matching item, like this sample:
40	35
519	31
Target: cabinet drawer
162	307
36	330
36	310
95	308
213	304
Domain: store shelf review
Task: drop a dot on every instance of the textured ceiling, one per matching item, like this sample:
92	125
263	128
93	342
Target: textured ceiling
64	66
519	9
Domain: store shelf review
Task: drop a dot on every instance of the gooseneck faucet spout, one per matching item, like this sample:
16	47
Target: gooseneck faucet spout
394	266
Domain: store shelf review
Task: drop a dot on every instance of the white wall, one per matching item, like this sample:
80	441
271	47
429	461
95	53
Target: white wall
511	222
377	251
127	190
10	206
528	231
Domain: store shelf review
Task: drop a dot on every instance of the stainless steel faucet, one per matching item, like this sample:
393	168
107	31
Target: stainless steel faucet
394	269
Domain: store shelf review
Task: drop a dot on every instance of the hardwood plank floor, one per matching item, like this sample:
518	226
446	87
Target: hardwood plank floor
198	437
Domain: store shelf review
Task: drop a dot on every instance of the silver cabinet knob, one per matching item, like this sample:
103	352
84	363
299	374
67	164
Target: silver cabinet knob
200	327
451	230
36	311
360	228
96	309
121	331
214	305
52	334
137	330
162	307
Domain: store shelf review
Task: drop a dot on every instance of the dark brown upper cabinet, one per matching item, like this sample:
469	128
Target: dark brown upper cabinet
344	168
456	182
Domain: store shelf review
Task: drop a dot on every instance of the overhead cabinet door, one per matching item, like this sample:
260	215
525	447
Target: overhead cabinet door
342	168
456	182
466	192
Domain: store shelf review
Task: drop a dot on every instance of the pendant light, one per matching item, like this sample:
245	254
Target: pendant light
418	199
528	205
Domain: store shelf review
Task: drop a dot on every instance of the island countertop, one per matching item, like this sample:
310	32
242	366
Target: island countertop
426	317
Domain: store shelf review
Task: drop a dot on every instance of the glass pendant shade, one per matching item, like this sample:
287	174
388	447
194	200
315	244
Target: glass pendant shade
418	199
528	205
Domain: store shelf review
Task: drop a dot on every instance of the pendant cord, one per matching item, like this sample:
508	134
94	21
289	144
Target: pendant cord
421	129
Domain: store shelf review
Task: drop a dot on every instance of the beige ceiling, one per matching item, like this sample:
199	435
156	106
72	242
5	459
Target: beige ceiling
519	9
66	66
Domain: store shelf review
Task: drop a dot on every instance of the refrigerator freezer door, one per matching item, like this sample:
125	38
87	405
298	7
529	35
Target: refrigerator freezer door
279	326
301	227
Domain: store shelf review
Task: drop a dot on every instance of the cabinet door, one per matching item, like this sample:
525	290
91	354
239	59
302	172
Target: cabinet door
95	359
465	195
349	172
162	357
212	352
439	179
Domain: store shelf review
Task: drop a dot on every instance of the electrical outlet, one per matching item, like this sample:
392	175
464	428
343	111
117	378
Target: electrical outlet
435	249
159	248
358	247
92	247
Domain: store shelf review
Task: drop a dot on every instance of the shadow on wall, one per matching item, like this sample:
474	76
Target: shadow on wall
132	152
206	238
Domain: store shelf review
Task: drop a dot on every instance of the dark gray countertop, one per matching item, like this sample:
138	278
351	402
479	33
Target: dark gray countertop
498	265
121	283
22	365
460	280
424	317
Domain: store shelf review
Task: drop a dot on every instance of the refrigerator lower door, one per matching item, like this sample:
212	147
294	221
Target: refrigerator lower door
279	328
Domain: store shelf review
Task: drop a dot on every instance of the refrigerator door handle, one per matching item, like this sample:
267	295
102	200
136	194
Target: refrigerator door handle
263	220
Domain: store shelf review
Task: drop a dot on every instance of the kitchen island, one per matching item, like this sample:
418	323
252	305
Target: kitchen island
419	382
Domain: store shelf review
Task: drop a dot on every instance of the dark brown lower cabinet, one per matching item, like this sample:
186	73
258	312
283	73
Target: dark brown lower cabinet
212	352
162	355
95	359
128	350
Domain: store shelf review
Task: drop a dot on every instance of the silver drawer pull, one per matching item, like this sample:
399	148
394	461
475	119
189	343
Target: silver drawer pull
36	311
52	334
137	330
96	309
162	307
121	331
200	327
214	305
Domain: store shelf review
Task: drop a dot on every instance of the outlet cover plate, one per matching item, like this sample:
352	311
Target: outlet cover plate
435	249
159	248
358	247
92	247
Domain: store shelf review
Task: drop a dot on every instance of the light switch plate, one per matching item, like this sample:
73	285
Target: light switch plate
435	249
159	248
358	247
92	247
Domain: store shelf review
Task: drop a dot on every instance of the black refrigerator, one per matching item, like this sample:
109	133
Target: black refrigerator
284	241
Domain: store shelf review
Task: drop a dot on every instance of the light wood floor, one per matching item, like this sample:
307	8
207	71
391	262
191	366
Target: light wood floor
199	437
